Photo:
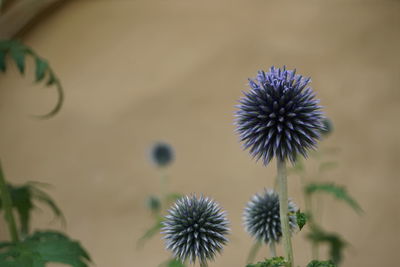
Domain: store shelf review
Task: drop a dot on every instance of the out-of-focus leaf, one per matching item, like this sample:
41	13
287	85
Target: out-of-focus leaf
172	263
301	219
273	262
43	197
18	53
151	232
335	241
337	191
42	248
41	68
253	251
23	198
328	165
316	263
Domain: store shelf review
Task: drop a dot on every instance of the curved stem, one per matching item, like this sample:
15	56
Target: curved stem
272	249
7	206
283	211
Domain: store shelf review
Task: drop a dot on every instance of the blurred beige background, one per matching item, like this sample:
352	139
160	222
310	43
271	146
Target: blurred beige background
136	72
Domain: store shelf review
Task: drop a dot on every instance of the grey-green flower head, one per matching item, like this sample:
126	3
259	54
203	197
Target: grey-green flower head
162	154
328	127
195	229
262	219
279	116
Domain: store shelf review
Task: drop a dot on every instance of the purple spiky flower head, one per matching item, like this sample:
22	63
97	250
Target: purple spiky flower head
262	219
279	116
195	228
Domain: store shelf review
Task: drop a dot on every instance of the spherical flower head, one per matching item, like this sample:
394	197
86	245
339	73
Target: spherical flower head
162	154
279	116
262	219
195	228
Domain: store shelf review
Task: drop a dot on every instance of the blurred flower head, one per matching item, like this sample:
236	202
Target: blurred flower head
279	116
161	154
328	127
153	203
262	219
195	228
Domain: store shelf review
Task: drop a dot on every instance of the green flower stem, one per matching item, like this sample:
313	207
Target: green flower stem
283	210
164	189
272	249
7	207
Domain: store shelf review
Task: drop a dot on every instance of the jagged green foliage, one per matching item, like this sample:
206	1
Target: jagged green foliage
18	53
42	248
273	262
23	199
337	191
335	242
316	263
172	263
301	219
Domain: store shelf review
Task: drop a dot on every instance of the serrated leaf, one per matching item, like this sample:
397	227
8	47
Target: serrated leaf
273	262
151	232
23	197
335	241
337	191
18	55
301	219
41	68
316	263
18	52
42	248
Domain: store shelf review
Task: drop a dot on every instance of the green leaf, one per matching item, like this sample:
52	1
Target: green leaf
301	219
151	232
253	251
172	263
18	54
335	241
337	191
23	198
316	263
42	248
273	262
41	68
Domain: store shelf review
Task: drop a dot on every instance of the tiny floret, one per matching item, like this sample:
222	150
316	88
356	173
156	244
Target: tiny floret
279	116
195	229
262	219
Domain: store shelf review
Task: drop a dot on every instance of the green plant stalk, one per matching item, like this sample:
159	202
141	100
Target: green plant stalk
272	249
283	211
7	207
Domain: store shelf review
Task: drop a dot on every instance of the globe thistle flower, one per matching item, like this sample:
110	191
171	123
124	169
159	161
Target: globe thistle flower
262	219
195	228
161	154
279	116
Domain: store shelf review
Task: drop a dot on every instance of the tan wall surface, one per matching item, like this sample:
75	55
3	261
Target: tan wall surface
139	71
